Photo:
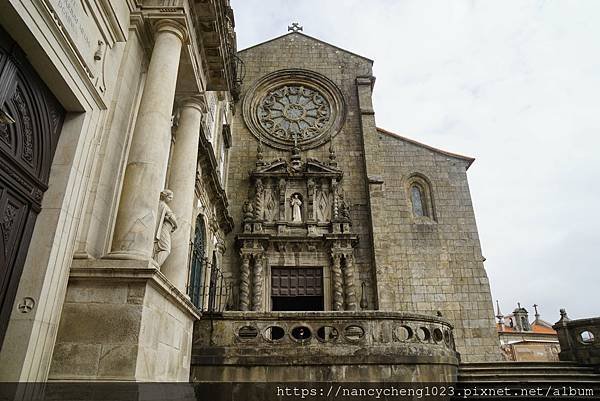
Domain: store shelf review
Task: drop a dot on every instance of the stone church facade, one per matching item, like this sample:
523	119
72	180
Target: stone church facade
427	259
172	208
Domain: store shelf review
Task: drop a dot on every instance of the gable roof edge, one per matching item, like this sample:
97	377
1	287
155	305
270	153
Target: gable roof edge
468	159
310	37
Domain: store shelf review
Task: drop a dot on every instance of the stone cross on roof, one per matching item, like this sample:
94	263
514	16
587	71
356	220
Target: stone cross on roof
295	27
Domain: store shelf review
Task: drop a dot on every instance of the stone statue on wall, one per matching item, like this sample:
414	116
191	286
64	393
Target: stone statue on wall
167	224
248	211
344	208
295	202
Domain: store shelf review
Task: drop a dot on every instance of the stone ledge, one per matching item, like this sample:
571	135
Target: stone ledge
128	271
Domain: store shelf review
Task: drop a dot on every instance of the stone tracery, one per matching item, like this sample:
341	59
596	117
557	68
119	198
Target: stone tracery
294	109
294	112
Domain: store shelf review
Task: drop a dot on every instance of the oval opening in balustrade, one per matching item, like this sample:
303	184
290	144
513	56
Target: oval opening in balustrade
586	337
447	337
274	333
438	336
354	332
404	333
423	334
301	333
248	332
327	334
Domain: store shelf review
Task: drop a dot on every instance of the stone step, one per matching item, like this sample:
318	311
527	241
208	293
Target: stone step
533	372
520	364
527	369
530	377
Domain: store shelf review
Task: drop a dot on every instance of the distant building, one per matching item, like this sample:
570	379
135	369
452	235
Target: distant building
523	341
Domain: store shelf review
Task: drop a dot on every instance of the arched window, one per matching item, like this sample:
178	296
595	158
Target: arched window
197	264
420	197
416	196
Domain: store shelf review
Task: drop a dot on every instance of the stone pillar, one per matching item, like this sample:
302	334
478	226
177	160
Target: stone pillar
338	289
245	282
147	160
349	291
182	182
257	289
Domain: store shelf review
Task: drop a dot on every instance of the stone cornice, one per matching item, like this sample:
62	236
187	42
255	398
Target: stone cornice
206	157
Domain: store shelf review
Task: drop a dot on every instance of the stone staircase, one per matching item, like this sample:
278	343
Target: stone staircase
531	372
527	380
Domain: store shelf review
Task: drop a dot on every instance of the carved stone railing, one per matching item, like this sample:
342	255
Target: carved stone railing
340	345
579	339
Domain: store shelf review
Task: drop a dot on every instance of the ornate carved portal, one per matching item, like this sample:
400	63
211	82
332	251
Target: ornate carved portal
30	124
297	227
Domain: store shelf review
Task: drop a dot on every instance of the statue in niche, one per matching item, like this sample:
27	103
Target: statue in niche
167	224
248	211
296	203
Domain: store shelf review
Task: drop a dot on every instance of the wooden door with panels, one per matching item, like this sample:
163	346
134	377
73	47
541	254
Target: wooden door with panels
30	123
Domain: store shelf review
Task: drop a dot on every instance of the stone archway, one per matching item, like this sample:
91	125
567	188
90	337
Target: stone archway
30	124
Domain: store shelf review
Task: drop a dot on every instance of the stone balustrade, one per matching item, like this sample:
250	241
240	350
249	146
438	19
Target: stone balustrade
579	339
340	345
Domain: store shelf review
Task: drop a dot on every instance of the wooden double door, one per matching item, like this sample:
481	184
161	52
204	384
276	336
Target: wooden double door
30	123
297	289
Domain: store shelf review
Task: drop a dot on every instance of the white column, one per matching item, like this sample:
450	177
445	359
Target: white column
146	165
182	182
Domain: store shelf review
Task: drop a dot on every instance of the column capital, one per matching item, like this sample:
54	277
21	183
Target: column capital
172	26
197	102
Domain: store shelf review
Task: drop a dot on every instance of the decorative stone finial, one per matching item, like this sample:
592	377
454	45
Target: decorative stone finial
563	315
259	155
332	155
295	27
364	303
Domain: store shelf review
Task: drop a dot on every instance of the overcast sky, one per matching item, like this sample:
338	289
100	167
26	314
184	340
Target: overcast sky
515	84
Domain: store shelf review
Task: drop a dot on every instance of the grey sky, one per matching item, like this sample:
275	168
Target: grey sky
515	84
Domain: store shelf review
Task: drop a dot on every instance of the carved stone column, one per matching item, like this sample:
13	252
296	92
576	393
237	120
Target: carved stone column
310	191
259	194
182	183
334	204
257	289
281	187
338	289
245	282
349	291
147	160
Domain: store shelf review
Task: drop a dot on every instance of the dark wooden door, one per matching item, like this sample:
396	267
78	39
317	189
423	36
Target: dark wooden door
30	123
296	282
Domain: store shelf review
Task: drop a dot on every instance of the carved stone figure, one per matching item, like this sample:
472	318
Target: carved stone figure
248	211
344	208
295	202
167	224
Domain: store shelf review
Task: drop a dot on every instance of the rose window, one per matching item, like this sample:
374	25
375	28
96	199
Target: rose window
290	108
294	113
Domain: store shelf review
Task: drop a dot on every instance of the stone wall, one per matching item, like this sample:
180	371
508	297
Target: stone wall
430	264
